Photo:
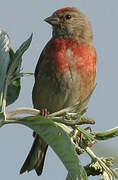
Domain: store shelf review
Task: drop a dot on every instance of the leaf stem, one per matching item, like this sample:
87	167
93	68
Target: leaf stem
21	75
5	96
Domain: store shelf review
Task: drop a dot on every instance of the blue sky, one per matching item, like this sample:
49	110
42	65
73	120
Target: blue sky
20	19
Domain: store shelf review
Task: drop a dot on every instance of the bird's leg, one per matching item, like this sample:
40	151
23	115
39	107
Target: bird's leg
44	112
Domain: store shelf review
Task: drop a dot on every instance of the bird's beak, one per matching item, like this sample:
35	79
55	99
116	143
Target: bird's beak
53	20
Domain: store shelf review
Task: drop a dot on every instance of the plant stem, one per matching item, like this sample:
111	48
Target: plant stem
22	111
4	96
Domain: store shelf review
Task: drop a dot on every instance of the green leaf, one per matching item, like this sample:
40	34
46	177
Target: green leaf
13	91
59	141
23	47
4	57
2	116
15	64
108	134
84	175
14	87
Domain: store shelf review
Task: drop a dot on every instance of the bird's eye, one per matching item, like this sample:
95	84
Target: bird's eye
68	16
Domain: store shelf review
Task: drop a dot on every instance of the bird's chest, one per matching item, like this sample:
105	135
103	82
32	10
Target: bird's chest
69	57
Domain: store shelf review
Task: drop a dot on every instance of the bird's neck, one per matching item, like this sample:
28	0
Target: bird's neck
85	37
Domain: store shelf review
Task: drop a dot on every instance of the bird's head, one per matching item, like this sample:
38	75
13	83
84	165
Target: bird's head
69	22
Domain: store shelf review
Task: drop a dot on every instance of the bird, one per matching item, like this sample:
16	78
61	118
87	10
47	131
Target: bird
65	73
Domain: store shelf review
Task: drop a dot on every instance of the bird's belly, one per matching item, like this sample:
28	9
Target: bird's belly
56	93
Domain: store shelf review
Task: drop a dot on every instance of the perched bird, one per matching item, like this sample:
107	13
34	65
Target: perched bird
65	72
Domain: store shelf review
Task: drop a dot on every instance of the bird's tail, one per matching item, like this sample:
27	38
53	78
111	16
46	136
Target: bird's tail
36	156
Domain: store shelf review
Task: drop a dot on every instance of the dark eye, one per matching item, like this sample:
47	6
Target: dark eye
68	16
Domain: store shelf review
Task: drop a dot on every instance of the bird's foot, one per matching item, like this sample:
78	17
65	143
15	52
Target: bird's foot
44	112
